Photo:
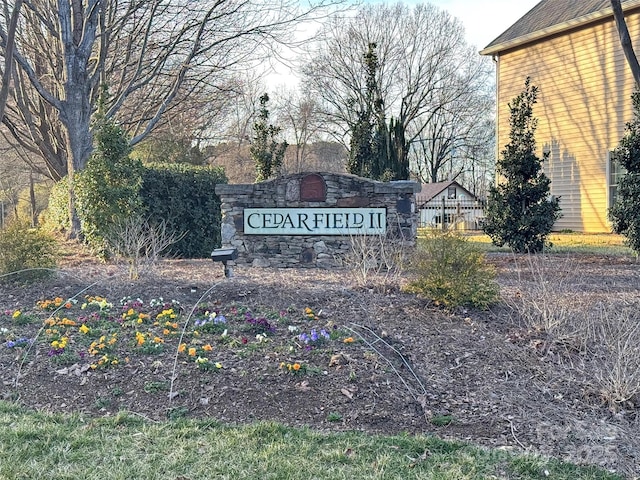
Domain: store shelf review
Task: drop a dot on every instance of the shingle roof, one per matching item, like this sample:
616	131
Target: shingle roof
430	190
550	13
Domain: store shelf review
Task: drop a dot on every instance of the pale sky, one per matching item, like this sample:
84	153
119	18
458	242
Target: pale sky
484	20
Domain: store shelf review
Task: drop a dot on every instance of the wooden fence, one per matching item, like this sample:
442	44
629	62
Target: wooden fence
459	214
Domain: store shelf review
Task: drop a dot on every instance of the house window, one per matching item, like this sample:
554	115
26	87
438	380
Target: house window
616	171
451	193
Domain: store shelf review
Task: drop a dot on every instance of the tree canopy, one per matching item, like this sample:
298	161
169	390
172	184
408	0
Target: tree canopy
426	74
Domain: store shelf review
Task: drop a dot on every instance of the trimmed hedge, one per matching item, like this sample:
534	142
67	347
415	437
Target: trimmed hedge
184	196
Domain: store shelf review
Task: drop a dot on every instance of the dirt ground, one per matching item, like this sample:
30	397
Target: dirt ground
477	376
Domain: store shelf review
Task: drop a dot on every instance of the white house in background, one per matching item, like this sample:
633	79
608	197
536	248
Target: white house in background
460	206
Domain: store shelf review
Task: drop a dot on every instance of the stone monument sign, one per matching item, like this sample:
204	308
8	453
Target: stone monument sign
309	219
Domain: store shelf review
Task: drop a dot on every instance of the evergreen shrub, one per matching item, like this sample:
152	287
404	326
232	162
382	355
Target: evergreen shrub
25	248
184	197
107	188
56	216
625	214
452	272
519	211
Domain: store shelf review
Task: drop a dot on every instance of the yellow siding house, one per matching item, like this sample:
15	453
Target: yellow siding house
572	52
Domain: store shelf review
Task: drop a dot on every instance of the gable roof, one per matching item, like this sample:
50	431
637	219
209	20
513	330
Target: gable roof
430	190
553	16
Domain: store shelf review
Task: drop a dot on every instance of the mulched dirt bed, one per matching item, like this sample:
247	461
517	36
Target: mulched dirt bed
412	367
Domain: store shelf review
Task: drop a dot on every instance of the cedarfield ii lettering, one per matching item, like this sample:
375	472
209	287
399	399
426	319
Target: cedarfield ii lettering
315	221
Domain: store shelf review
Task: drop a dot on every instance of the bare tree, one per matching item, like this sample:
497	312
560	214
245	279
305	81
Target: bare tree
625	41
147	52
229	144
425	68
10	43
186	130
298	115
449	142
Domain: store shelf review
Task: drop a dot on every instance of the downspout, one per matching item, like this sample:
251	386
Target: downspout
496	60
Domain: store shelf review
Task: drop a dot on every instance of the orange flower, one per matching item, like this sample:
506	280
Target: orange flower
348	340
182	347
207	348
192	352
296	366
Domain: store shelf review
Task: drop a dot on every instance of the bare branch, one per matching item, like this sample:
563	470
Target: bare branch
625	41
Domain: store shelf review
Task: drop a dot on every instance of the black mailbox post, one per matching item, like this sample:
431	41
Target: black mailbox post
224	255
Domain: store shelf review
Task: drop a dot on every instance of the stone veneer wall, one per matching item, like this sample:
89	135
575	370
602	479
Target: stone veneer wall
323	251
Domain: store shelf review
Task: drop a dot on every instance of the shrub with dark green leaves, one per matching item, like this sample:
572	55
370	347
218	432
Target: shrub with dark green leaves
107	188
519	211
183	196
625	214
180	197
451	272
23	248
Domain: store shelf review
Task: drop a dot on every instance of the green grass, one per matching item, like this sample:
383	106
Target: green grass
55	446
594	244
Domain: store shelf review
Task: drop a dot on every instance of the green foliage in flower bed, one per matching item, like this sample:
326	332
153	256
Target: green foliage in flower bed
104	335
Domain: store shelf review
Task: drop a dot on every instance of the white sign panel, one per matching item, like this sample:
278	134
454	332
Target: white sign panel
315	221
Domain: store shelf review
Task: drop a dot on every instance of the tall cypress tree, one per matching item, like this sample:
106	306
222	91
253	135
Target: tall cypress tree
266	152
377	150
362	151
519	211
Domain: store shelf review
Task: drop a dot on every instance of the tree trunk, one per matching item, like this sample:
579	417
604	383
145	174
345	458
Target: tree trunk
32	200
75	109
625	41
8	56
74	221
